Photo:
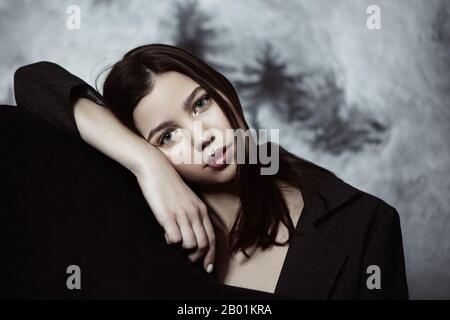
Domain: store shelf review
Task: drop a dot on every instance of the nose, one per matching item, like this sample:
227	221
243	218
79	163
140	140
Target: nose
206	141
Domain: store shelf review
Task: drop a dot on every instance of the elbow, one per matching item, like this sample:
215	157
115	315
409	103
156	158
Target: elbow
25	79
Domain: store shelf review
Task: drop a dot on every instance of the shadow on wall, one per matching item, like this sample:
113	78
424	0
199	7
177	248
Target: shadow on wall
320	108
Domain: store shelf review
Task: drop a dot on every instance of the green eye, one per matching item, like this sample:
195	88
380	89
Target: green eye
201	103
167	135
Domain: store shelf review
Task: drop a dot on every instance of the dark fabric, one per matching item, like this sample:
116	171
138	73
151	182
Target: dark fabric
64	203
46	90
68	204
342	230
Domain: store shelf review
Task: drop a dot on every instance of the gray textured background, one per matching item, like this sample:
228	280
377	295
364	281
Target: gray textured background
373	106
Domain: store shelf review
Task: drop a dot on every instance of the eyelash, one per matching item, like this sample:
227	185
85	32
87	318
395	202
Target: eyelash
160	140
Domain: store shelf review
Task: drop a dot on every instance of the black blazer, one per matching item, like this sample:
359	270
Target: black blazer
341	232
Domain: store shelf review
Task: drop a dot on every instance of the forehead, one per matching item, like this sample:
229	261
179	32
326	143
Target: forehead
169	91
168	88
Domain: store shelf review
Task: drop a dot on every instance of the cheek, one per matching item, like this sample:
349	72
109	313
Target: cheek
217	118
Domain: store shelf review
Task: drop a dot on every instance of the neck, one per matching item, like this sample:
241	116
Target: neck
225	188
224	199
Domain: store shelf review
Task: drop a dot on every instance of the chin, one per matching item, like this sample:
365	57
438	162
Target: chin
226	175
214	177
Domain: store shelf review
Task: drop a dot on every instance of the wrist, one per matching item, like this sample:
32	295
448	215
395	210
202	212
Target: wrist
147	159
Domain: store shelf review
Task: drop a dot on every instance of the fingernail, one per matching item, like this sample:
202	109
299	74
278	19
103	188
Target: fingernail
209	268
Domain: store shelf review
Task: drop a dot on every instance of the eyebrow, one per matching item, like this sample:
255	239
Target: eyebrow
186	105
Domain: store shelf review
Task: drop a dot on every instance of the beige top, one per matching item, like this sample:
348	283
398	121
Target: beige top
262	270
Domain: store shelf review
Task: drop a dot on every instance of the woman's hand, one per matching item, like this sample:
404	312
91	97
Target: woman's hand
181	213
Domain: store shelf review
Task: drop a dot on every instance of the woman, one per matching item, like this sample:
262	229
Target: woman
301	232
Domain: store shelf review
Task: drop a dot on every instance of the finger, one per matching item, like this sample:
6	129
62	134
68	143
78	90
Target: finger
202	240
200	235
173	234
208	261
194	256
189	240
167	238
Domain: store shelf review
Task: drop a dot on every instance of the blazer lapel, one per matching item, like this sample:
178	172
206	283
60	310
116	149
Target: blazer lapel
313	262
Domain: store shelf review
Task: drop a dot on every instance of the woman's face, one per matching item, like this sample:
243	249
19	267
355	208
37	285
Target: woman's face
180	119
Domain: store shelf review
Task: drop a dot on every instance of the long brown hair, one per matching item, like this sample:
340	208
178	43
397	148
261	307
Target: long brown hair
262	206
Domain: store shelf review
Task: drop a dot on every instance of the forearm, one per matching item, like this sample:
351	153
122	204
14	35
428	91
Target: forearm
100	128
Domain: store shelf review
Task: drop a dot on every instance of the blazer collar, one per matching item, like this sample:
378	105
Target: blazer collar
330	193
313	260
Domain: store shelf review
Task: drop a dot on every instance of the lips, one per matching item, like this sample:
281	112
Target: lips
218	158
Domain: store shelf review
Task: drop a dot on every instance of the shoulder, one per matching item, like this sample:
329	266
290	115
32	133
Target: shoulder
336	200
347	217
373	206
370	205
